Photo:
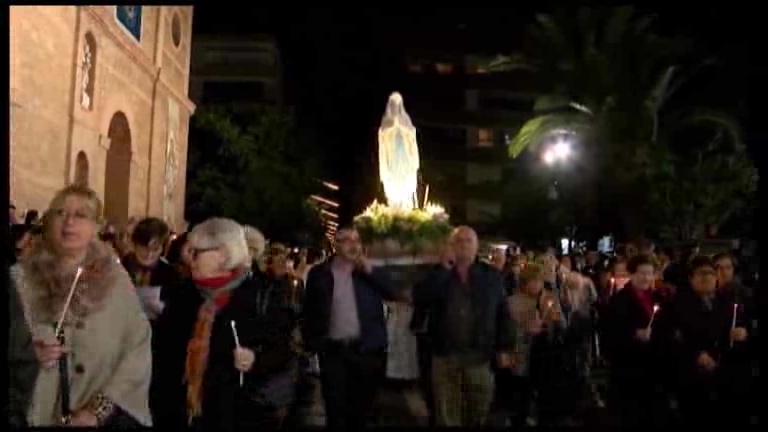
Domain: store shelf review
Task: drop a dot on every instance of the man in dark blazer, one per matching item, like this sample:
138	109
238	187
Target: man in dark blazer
344	324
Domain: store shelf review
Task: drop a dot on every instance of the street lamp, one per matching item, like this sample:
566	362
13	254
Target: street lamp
559	152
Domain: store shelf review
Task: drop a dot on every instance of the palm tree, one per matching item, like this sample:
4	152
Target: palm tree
612	78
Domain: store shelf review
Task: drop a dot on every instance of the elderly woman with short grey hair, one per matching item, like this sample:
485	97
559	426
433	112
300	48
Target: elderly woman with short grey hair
222	338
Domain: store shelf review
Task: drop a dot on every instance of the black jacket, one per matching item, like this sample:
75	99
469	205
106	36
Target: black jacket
695	328
492	329
267	333
163	275
623	316
370	291
22	362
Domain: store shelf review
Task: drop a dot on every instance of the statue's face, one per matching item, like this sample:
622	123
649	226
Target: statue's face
395	105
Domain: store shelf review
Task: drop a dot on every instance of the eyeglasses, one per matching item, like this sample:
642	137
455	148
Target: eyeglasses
195	252
77	215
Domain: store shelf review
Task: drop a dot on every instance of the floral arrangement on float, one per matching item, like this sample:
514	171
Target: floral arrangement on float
400	231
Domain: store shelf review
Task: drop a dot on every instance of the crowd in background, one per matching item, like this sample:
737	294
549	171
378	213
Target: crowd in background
216	329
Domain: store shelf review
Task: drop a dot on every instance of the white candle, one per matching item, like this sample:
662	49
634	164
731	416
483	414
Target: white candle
733	320
60	323
653	315
237	343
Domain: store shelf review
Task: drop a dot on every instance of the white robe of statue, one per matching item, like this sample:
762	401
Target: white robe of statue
398	155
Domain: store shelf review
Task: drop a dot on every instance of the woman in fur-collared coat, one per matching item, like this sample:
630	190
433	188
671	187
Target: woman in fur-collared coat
107	336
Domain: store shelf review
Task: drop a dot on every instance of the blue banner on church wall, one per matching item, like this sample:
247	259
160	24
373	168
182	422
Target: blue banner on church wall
130	18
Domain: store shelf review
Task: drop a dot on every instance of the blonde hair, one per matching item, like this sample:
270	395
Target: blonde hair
80	191
224	233
89	195
531	272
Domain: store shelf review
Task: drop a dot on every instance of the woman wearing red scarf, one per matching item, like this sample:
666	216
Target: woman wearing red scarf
208	380
631	354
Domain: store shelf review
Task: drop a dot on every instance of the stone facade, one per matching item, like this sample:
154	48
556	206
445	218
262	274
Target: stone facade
92	104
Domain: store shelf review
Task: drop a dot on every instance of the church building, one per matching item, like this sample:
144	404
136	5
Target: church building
99	96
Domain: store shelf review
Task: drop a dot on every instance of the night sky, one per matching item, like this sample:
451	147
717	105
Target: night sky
340	65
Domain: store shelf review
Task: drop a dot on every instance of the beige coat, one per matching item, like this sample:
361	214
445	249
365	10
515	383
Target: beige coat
106	332
523	310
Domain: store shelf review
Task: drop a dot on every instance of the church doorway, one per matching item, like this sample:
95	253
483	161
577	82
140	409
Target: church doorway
117	178
82	169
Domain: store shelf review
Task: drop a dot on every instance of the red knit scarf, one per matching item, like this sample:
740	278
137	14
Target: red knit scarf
645	298
197	349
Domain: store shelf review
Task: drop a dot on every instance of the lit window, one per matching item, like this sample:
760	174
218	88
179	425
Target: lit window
415	68
484	138
444	68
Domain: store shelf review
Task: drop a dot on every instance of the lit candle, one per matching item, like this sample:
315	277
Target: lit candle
294	291
733	320
613	286
653	315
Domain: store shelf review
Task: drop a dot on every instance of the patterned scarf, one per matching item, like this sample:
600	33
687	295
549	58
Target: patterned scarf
216	292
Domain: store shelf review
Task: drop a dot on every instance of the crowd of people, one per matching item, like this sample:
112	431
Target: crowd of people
215	329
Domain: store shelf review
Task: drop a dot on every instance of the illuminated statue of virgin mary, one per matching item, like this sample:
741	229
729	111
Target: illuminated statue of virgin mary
398	155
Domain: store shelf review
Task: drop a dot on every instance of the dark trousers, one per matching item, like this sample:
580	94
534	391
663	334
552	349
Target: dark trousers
721	400
350	379
425	376
520	390
635	398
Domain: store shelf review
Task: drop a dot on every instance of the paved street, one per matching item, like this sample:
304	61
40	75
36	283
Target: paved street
400	406
395	407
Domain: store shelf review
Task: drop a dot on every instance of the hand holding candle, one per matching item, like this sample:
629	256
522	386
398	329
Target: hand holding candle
653	315
738	334
237	344
72	288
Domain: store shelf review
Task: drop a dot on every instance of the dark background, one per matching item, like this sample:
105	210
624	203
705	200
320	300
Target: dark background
340	65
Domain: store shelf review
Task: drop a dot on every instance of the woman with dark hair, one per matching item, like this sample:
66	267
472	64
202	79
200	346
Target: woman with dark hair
32	218
155	281
178	254
151	274
711	335
628	323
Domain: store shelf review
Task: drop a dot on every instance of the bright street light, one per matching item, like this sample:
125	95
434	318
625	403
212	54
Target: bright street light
559	152
562	150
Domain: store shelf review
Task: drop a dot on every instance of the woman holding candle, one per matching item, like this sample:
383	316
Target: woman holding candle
537	319
200	361
577	298
627	343
712	367
107	337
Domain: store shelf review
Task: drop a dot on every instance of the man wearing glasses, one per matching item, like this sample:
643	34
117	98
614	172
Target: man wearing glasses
344	324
